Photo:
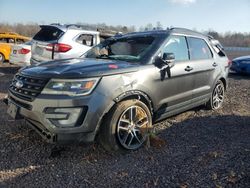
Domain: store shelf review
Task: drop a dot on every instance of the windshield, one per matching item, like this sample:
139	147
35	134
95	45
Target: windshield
125	48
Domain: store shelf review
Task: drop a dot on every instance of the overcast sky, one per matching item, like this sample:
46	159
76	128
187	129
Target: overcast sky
219	15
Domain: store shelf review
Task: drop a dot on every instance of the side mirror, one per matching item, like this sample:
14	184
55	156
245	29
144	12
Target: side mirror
168	57
165	63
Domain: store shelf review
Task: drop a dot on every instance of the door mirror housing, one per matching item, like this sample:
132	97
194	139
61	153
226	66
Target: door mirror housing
165	63
168	57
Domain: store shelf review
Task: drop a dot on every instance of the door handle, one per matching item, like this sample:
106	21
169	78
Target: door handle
215	64
188	68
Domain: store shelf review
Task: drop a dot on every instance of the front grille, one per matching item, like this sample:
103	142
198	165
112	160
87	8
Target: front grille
27	87
19	103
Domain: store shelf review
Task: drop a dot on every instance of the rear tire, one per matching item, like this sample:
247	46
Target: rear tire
217	96
2	58
126	126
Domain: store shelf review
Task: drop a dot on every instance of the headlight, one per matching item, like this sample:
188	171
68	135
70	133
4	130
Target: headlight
71	87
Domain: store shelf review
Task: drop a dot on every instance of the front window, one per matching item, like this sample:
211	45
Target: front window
124	48
178	46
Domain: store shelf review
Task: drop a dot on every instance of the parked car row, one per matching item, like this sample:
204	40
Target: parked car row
53	41
119	88
57	41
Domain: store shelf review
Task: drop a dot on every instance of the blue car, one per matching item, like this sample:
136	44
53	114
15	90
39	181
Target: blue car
241	65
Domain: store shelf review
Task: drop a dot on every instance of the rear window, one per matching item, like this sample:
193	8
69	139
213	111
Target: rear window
7	40
20	41
48	34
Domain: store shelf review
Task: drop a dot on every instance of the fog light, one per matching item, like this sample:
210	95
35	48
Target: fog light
63	117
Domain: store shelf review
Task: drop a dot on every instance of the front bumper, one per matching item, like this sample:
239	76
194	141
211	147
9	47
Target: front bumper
94	108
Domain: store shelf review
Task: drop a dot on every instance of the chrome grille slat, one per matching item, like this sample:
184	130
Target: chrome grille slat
32	87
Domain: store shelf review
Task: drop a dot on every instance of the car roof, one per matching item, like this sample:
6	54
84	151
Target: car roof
13	35
65	27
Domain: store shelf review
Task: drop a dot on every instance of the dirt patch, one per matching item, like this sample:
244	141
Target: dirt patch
200	149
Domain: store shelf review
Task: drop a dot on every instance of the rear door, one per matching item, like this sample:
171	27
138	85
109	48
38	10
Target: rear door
204	67
41	49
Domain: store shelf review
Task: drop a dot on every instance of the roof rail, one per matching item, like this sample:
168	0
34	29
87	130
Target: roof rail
55	24
67	25
73	25
108	33
184	29
180	28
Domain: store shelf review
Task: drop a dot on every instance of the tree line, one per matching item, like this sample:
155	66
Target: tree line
227	39
231	39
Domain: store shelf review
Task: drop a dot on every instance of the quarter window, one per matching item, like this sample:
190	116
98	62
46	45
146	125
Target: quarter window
178	46
85	39
198	49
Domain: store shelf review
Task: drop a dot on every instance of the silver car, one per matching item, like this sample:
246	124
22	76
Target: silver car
61	41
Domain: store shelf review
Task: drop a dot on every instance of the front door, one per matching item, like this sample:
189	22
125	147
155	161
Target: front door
175	91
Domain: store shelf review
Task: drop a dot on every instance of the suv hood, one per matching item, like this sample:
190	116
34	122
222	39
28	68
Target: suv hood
242	58
79	68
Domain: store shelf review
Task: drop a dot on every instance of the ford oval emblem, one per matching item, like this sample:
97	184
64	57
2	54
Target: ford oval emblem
19	84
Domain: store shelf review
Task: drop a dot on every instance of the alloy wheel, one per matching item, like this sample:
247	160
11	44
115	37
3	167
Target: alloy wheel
132	128
218	96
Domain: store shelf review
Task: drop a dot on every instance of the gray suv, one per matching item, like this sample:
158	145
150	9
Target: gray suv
120	87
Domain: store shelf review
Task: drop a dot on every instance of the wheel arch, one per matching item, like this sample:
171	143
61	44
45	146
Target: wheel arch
133	94
224	81
5	53
4	56
139	95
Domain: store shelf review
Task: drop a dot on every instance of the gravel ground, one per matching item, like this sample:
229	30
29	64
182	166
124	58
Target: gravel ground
200	148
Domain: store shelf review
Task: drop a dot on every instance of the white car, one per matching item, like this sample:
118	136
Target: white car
57	41
20	54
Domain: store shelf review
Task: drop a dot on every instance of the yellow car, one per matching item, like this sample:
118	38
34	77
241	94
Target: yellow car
6	41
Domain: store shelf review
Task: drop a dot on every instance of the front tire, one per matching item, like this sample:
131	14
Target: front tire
217	97
126	126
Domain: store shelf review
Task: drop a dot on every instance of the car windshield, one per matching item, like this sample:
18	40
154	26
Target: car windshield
124	48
